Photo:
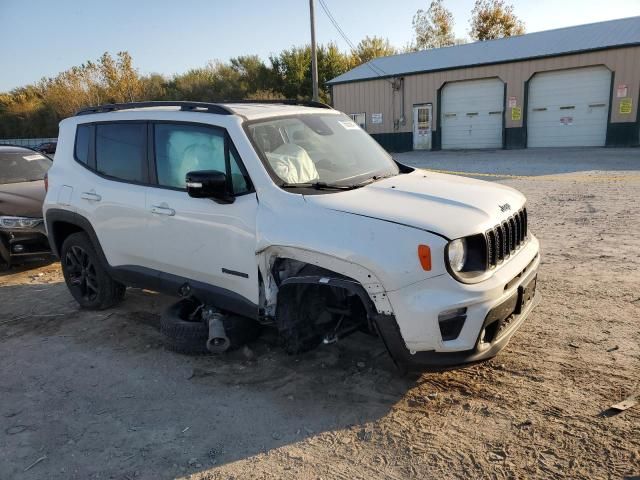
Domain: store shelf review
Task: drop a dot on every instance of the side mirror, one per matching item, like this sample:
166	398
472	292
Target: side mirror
208	184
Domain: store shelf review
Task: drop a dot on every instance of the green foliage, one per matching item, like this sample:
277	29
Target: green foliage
491	19
372	47
36	110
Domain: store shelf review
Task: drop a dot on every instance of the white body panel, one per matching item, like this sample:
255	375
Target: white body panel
471	114
202	239
569	108
370	234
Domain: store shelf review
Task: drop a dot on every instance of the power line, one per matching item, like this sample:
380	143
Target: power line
374	68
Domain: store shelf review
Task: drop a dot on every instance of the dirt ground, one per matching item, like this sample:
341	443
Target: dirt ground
88	395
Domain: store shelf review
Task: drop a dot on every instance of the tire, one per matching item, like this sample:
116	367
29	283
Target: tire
190	337
182	335
298	310
86	276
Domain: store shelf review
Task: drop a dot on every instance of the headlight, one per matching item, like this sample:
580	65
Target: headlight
17	223
466	258
457	253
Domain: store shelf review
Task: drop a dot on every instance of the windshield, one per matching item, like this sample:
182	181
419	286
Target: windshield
320	149
22	166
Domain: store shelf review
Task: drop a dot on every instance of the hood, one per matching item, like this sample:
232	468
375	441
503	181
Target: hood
448	205
22	199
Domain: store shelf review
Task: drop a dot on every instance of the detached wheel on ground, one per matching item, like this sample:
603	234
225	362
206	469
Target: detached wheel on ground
185	332
87	278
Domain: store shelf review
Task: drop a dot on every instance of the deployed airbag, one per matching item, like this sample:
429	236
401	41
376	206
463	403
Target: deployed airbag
292	164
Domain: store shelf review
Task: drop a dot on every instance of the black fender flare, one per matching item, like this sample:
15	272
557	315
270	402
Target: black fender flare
55	215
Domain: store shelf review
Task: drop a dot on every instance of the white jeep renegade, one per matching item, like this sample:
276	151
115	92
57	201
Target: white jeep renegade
288	215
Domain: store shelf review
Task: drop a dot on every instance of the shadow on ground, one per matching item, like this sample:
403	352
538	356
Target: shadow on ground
78	384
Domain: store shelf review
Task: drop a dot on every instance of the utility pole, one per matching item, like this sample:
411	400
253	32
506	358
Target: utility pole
314	56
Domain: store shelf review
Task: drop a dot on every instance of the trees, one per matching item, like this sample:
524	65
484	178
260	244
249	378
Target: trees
433	27
491	19
36	110
372	47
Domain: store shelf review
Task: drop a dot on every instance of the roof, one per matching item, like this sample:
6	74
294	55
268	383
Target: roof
248	109
254	111
561	41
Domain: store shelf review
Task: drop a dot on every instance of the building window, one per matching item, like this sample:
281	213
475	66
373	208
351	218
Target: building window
360	119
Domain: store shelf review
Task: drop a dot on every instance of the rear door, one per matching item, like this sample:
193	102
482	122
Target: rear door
111	190
198	238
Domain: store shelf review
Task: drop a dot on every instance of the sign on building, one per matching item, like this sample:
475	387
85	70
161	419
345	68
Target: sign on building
622	90
376	118
626	105
516	113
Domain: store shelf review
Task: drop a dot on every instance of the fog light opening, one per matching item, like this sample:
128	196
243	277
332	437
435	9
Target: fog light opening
451	323
18	248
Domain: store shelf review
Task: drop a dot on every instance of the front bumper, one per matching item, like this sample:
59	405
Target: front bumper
495	309
19	246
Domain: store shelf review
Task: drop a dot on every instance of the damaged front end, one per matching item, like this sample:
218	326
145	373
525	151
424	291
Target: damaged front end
311	305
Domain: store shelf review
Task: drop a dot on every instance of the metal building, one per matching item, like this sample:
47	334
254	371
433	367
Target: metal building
574	86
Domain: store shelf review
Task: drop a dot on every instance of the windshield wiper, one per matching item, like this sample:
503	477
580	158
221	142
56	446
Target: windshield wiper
320	186
375	178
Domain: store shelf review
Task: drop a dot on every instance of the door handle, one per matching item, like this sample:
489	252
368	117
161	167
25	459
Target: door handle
91	196
161	210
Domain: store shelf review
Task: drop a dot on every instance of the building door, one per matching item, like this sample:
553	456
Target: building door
472	114
422	126
569	108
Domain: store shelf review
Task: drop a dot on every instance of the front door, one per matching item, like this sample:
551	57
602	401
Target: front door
422	127
198	238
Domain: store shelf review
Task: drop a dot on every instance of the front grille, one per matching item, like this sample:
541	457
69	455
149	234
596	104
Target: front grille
506	238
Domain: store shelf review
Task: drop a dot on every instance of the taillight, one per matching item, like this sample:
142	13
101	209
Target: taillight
46	182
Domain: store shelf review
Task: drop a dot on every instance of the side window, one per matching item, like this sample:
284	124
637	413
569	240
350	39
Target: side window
121	150
180	149
82	143
239	178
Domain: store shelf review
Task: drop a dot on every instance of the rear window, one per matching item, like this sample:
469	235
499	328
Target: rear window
82	143
120	150
22	166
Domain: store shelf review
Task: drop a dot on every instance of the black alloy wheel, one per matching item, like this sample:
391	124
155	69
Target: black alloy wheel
82	273
87	277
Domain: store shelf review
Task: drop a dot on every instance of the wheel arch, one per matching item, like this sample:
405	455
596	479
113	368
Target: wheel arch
62	223
330	271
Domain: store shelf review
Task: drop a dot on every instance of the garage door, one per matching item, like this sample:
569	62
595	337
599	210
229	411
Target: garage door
471	114
568	108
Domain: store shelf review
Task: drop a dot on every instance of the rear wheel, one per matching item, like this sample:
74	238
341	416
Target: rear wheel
87	279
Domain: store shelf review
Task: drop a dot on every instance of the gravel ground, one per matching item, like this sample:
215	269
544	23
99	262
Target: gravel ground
95	395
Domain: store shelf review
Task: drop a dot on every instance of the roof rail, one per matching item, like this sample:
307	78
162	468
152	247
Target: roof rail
187	106
285	101
206	107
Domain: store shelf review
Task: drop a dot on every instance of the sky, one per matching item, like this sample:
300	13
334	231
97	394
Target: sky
40	38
